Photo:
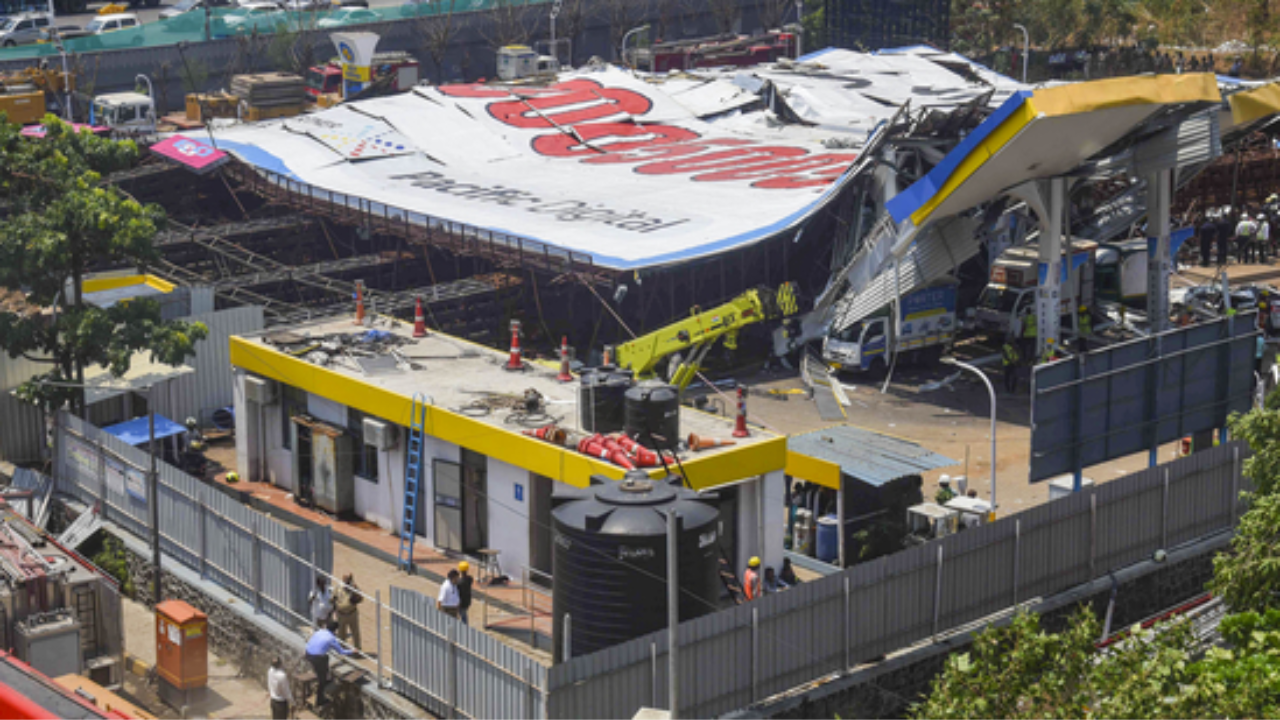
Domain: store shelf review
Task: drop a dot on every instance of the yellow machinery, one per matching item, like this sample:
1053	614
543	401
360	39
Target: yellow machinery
22	94
701	330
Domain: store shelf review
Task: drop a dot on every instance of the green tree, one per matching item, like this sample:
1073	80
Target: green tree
61	222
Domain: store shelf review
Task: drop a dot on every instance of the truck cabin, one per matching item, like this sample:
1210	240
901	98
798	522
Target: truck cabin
124	111
324	80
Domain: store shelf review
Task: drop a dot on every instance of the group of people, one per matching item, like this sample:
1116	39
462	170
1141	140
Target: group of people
1244	232
1019	348
755	585
335	621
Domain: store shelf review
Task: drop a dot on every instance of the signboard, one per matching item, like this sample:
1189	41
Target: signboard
82	455
115	476
601	163
355	51
39	131
135	484
1134	396
198	157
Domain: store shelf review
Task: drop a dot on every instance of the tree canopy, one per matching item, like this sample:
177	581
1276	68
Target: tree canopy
59	221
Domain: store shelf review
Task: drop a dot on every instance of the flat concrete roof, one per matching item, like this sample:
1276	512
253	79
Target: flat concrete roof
469	393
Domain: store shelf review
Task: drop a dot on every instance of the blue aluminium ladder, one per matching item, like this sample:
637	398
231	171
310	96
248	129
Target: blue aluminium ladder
412	482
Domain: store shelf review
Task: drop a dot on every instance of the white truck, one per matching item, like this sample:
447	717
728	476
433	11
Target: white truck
926	330
517	62
127	112
1015	276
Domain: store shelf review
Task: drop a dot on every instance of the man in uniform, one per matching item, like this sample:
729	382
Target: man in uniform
1009	356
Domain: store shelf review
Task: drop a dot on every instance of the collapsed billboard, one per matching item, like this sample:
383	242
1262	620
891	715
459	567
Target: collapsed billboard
602	163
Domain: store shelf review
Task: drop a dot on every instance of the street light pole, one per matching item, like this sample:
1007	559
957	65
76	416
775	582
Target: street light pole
153	487
991	391
1026	50
627	37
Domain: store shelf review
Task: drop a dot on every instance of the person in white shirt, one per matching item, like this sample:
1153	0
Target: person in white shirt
280	690
321	600
448	600
1262	237
1245	230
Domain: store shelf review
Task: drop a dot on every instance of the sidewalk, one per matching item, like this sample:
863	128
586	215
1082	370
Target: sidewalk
228	696
370	552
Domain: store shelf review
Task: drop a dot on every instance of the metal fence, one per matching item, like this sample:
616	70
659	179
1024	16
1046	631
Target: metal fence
453	670
256	558
733	658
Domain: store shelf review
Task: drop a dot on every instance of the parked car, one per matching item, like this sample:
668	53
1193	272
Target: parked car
104	24
62	32
349	16
250	16
22	29
186	6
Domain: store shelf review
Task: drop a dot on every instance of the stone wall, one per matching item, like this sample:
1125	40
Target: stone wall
888	689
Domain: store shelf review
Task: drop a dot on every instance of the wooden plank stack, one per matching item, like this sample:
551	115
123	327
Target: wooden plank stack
269	95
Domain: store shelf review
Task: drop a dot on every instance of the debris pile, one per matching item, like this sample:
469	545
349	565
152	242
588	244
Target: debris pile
366	351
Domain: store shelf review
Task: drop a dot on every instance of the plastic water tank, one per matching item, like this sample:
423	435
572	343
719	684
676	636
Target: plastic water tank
609	562
653	415
828	538
225	418
602	399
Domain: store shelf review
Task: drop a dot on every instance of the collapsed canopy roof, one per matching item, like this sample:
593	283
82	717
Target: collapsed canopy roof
634	173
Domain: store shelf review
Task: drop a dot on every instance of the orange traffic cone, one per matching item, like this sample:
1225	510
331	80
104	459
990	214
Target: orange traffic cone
595	447
608	355
359	302
419	322
565	375
550	433
697	443
514	362
740	427
644	457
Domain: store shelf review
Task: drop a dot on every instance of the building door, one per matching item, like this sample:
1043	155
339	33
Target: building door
447	478
306	470
475	501
540	489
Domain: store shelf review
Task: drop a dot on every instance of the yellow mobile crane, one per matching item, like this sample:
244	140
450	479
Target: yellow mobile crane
699	333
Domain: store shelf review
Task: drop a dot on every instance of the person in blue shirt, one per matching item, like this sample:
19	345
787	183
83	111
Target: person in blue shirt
318	647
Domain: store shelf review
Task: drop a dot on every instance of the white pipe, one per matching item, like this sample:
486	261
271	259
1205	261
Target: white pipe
1026	50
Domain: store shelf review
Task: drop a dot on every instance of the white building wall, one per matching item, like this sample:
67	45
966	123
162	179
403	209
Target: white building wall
326	410
242	430
761	527
509	515
279	460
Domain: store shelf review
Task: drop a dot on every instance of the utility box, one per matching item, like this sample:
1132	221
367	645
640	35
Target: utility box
332	471
50	643
182	652
1064	486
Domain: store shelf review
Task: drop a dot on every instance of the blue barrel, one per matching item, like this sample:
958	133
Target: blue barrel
828	538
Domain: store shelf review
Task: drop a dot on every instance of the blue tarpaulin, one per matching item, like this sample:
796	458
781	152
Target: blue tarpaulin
136	432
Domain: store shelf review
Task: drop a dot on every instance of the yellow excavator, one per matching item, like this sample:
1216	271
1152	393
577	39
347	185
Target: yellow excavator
699	332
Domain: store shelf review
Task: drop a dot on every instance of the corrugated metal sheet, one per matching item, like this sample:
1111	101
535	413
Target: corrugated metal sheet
1193	141
868	456
211	386
256	558
450	668
732	658
22	432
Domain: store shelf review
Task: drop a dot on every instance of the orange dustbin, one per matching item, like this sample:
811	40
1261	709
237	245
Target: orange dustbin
182	649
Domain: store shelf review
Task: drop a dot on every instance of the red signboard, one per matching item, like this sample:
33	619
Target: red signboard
196	156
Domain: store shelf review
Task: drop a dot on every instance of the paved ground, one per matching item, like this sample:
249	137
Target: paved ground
228	696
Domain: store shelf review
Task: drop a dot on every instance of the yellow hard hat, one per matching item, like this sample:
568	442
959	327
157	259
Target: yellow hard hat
753	562
233	477
464	566
1084	308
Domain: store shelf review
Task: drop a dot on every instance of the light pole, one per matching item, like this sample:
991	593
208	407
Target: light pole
625	38
66	76
1026	50
991	391
800	33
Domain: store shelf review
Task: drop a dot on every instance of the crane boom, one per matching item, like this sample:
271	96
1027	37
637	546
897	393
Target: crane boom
701	330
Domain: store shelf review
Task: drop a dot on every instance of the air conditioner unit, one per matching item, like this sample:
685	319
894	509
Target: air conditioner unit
259	390
379	434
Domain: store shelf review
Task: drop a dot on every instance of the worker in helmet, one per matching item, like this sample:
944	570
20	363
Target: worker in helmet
233	477
1084	327
1030	331
1009	356
1050	352
751	580
464	583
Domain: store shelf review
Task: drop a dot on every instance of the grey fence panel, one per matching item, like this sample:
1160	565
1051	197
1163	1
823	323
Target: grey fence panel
444	665
977	573
715	654
1054	546
1128	520
242	550
868	603
909	583
1199	500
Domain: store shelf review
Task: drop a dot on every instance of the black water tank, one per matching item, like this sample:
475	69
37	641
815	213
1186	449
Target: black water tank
602	399
653	415
610	560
